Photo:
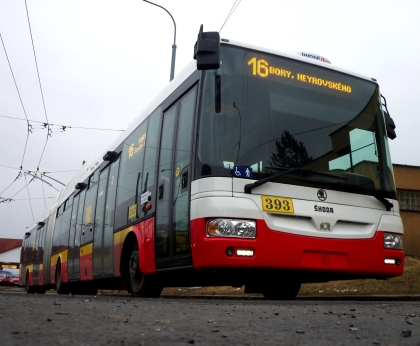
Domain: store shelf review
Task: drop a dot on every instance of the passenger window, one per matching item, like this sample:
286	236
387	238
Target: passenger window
150	159
130	175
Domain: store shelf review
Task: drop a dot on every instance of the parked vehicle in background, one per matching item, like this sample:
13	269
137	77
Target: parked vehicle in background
5	279
14	280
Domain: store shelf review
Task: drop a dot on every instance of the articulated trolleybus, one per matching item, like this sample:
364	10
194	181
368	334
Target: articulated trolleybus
252	168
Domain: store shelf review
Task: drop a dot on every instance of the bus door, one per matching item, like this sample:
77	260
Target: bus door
73	250
99	223
75	236
88	227
36	262
172	238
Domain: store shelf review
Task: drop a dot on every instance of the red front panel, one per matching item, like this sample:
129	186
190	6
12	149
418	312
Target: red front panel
284	251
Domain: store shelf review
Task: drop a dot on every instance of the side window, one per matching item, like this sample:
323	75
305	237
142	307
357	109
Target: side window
57	228
129	180
151	154
93	179
89	210
79	220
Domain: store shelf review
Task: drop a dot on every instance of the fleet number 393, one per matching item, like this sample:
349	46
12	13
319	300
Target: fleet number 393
273	204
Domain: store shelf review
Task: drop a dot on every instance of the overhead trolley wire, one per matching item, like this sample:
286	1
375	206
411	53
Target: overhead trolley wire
39	81
64	127
230	13
30	202
29	127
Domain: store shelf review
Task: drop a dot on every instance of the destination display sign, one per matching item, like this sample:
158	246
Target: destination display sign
262	68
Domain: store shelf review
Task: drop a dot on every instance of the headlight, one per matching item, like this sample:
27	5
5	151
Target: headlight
392	241
231	228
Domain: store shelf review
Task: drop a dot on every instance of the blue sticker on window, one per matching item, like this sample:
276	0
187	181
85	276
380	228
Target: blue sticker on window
242	172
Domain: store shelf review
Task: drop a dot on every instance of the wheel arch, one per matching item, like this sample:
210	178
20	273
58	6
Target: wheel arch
129	242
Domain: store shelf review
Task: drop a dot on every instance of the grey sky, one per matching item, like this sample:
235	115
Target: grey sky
101	62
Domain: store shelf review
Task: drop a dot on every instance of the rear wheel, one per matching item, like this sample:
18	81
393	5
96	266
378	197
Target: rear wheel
60	286
142	285
282	291
28	288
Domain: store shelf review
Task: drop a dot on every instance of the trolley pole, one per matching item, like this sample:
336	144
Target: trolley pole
174	45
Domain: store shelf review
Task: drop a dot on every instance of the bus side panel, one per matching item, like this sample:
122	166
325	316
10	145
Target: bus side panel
86	262
147	246
40	275
46	268
30	269
62	257
119	238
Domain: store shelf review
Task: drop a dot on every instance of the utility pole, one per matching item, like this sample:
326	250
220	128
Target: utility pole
174	45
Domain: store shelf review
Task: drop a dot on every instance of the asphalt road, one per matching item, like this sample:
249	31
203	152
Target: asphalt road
52	319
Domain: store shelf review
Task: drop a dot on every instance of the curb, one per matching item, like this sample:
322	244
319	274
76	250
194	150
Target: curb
414	297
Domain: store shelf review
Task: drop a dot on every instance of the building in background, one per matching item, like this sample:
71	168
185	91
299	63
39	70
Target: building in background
10	253
407	180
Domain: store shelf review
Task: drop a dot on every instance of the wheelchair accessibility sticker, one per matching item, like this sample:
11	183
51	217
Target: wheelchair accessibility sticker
242	172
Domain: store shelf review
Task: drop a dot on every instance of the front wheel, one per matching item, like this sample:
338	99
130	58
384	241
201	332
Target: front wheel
142	285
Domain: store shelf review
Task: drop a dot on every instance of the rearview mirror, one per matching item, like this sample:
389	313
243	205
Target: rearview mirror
207	50
390	126
389	122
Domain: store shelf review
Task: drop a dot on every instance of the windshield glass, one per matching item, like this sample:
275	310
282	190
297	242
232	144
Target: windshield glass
265	114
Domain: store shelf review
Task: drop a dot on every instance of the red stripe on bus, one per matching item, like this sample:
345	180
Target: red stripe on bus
40	280
64	272
145	235
86	270
117	258
52	273
285	251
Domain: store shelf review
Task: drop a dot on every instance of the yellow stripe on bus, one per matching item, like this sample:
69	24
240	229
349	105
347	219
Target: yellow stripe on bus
119	237
63	255
30	268
86	250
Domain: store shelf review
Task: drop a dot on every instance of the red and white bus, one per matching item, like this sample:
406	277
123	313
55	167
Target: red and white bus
252	168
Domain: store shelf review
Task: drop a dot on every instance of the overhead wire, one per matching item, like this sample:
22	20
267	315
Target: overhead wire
30	202
230	13
39	81
62	126
24	111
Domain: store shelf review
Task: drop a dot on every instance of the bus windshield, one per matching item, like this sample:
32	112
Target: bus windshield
268	114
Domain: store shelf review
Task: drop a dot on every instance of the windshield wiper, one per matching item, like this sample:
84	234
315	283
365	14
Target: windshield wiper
249	187
388	205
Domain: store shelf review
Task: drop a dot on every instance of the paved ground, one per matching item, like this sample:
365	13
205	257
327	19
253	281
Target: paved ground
121	320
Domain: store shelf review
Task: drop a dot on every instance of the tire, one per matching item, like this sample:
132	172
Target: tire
284	291
29	289
142	285
60	286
